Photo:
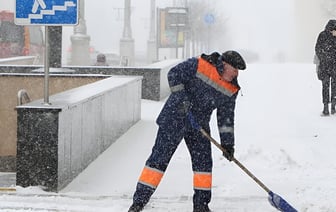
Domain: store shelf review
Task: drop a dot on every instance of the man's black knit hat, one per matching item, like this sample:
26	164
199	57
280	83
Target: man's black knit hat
234	59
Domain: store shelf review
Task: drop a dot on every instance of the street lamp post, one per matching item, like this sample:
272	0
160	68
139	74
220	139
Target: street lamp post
80	41
127	42
151	43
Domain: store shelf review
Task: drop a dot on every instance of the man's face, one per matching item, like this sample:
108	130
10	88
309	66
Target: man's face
333	32
229	72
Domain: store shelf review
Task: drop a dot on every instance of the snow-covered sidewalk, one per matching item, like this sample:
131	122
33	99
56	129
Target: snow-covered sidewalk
280	138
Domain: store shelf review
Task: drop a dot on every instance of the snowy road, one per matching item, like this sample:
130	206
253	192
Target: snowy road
86	203
280	137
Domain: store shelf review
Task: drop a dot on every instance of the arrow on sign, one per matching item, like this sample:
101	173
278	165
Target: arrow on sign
38	3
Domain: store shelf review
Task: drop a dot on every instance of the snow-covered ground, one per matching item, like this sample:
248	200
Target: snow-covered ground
280	137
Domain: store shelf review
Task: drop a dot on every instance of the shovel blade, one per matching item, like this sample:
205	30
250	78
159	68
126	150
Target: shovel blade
279	203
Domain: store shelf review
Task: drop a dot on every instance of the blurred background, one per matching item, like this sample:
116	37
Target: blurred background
264	31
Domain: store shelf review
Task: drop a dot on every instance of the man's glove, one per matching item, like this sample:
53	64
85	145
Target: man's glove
193	122
229	152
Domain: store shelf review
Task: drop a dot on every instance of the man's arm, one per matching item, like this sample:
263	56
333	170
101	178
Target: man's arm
180	74
225	121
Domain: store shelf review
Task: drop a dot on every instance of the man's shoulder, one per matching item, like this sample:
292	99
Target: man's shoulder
191	61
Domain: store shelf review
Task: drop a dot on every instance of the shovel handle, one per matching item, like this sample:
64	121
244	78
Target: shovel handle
236	161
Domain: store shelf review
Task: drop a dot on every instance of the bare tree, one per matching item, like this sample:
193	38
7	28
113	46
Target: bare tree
203	32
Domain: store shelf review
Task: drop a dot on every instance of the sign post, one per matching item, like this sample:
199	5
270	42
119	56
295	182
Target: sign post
172	26
46	13
46	66
209	19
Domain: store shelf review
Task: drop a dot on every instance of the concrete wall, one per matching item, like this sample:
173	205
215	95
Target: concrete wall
164	66
56	142
154	83
15	77
10	84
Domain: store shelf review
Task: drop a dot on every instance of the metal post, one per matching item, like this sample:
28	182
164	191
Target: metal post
176	41
46	67
151	43
80	41
208	39
127	33
127	42
158	13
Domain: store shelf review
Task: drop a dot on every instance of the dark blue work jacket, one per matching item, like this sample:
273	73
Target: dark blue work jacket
197	81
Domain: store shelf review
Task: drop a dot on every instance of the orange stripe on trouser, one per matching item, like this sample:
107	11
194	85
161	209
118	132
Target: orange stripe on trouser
150	176
202	180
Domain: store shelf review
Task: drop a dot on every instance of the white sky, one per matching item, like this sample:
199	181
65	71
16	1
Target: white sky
254	26
280	137
277	30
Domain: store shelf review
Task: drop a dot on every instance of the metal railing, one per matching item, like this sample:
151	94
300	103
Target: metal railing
22	97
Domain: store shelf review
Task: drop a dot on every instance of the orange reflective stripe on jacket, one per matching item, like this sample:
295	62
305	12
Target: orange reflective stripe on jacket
150	177
208	73
202	180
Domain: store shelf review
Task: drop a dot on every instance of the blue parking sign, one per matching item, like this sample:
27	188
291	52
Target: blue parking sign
209	18
46	12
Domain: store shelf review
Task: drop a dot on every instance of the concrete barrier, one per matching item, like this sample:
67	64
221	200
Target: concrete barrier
16	77
21	60
10	85
56	142
154	84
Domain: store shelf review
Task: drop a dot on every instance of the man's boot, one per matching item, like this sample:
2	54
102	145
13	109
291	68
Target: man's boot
333	109
325	111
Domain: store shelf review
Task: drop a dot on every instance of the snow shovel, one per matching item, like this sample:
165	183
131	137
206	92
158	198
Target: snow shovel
276	201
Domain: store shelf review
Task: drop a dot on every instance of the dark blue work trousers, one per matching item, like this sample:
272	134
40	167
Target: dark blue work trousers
166	143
